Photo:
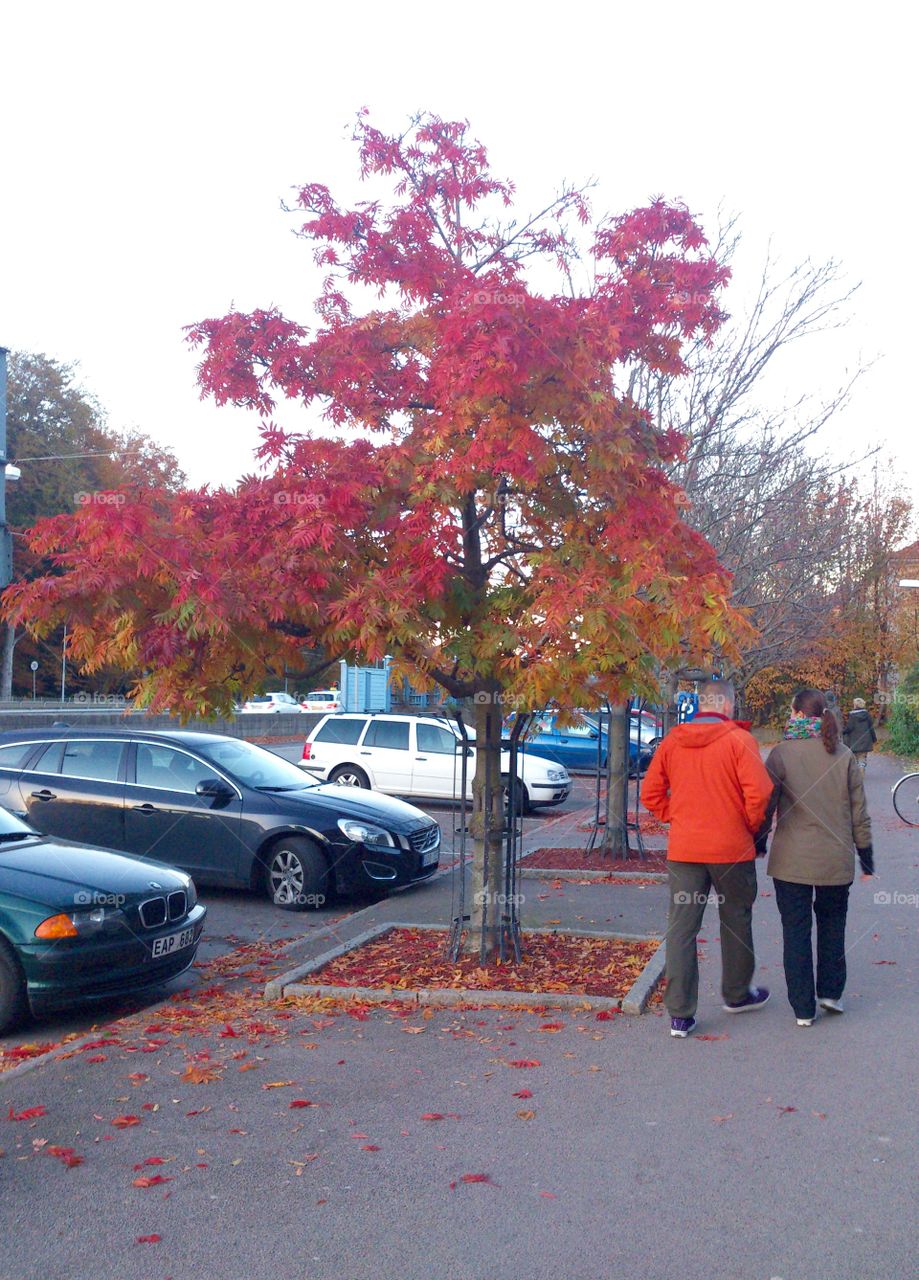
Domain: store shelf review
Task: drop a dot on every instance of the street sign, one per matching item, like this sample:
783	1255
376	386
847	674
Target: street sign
33	665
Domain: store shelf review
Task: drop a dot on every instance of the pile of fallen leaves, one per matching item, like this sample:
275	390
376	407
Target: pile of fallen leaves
647	823
405	959
580	860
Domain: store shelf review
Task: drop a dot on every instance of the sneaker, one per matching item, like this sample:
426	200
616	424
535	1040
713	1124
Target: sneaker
804	1022
755	999
831	1006
681	1027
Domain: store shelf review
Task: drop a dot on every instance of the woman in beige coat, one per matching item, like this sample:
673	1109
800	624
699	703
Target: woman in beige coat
822	819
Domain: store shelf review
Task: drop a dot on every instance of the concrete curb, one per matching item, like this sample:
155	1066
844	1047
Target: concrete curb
561	873
634	1001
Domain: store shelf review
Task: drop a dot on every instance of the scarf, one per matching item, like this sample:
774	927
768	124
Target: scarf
803	727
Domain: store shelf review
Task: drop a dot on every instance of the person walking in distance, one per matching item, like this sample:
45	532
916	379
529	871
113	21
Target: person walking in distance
707	781
858	734
822	813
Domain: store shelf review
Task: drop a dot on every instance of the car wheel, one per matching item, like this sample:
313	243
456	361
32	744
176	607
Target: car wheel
348	775
296	875
13	1002
523	797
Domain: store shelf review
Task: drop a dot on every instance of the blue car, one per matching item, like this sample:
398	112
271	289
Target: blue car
575	745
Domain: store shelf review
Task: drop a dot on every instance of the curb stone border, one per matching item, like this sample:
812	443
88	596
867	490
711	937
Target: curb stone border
633	1002
560	873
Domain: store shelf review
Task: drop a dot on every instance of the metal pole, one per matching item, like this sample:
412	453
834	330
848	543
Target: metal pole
63	664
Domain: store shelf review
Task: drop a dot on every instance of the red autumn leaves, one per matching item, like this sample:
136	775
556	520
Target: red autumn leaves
558	963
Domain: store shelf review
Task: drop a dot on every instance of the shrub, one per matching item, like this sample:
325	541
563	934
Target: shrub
904	720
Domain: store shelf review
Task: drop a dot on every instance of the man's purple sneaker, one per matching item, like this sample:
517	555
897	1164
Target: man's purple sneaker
755	999
681	1027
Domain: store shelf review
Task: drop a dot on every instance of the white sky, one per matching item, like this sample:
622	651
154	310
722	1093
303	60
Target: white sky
147	150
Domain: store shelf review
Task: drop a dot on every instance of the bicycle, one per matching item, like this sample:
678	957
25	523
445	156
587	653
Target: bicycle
906	799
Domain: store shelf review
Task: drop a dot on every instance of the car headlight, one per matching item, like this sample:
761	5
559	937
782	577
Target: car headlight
557	775
191	893
365	833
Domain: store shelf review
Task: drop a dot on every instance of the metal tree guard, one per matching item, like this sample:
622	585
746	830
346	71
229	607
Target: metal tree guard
635	706
508	921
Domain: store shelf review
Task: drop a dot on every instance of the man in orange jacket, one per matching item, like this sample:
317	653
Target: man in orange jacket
708	782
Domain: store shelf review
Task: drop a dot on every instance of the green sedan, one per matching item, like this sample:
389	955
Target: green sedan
79	923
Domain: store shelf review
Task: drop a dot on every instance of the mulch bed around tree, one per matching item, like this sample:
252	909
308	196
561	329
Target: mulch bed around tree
575	860
408	959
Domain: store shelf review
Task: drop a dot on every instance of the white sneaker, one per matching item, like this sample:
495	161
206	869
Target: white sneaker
831	1006
804	1022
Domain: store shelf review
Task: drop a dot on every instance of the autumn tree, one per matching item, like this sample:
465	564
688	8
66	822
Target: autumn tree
485	501
69	457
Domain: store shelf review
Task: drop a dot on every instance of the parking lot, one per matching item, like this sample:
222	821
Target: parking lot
236	918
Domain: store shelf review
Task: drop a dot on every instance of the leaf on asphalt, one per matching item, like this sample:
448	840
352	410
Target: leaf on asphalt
302	1102
723	1036
548	1195
369	1146
125	1122
526	1115
552	1026
523	1093
279	1084
150	1160
138	1077
151	1239
721	1119
66	1155
525	1062
30	1113
432	1115
821	1115
785	1110
478	1177
155	1180
98	1057
412	1031
194	1074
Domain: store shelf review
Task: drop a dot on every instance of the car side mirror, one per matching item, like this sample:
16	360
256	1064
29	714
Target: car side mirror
593	734
214	789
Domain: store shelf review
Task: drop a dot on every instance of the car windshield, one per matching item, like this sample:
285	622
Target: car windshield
252	765
13	828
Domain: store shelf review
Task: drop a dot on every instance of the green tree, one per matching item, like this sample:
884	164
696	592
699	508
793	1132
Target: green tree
904	720
57	432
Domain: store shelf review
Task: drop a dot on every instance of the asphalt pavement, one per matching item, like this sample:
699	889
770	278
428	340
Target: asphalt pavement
490	1144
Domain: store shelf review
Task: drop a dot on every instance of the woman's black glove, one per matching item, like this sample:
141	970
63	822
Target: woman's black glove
866	858
761	844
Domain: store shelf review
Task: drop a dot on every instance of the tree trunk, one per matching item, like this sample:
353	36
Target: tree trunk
6	661
487	827
615	841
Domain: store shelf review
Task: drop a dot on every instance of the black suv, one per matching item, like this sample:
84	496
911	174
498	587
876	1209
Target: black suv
227	811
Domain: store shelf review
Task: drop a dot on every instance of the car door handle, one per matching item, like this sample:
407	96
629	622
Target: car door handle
144	808
43	795
421	758
365	753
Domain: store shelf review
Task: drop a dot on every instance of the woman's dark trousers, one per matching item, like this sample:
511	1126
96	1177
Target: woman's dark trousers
797	904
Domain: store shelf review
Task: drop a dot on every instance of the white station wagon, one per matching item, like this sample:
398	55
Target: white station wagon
415	756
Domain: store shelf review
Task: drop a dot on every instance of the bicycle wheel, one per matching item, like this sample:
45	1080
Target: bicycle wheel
906	799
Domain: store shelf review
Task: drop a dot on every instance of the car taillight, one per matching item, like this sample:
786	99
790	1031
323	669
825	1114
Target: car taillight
307	750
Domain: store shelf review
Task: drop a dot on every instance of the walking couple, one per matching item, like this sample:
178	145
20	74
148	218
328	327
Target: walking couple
708	782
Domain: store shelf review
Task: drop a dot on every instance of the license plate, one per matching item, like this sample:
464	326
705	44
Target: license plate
173	942
431	856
